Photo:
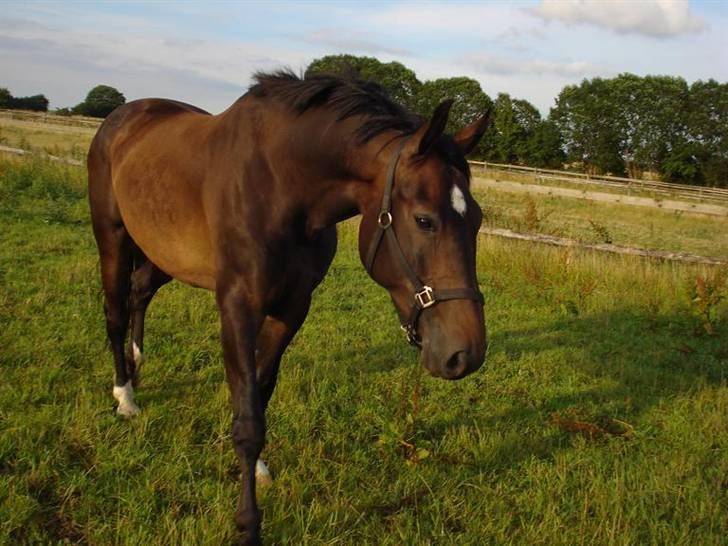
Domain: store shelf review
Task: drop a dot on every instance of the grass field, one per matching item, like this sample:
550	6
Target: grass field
69	141
599	419
599	222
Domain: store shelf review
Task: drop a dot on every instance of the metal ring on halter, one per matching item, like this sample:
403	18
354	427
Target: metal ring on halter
387	216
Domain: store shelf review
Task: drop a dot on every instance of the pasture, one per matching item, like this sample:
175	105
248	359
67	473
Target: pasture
61	138
599	418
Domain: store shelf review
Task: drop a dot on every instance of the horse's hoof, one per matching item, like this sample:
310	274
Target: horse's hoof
125	396
128	410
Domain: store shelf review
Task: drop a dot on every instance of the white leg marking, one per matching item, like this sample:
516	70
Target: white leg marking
125	396
138	355
458	200
262	474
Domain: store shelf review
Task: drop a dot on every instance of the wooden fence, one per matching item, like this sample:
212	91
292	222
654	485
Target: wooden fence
20	151
651	187
53	119
606	247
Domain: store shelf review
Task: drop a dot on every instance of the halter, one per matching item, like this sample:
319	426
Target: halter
424	296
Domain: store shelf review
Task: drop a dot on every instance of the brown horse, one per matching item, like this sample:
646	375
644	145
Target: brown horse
245	204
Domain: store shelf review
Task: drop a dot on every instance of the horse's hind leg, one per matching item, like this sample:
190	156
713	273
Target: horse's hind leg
146	279
115	250
116	260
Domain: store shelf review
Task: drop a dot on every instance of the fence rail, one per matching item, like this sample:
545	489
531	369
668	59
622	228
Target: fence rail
653	187
53	119
607	247
20	151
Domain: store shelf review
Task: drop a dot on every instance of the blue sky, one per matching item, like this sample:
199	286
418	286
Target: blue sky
205	52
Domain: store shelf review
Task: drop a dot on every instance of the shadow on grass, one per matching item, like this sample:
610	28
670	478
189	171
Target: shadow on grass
619	365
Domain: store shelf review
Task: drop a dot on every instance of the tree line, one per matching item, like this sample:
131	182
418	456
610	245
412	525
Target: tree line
36	103
99	102
626	125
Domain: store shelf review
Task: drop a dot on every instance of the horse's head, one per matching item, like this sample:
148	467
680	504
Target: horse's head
418	240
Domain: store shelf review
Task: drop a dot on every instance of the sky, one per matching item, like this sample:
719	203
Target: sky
205	53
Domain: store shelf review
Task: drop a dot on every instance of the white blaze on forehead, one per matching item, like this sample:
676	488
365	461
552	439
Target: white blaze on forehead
458	200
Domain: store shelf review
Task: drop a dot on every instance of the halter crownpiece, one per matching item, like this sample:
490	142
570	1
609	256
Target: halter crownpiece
424	296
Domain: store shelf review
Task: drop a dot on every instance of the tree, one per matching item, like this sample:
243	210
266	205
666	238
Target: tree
707	128
399	81
586	118
628	123
544	147
519	135
470	100
649	114
100	102
38	103
6	98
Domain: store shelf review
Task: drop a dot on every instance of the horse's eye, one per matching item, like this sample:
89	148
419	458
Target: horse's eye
425	223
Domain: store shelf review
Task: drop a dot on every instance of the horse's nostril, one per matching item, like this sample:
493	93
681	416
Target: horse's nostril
457	365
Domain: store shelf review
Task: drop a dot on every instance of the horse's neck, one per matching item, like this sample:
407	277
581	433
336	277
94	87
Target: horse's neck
318	163
343	177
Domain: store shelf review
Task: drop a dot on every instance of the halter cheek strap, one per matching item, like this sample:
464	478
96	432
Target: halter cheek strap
424	296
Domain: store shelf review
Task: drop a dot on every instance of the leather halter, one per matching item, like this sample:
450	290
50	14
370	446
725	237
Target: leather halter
424	296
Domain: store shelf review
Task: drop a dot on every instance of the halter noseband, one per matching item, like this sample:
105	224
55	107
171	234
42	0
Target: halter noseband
424	296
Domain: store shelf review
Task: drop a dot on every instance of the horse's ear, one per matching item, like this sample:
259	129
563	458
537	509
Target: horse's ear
468	137
429	133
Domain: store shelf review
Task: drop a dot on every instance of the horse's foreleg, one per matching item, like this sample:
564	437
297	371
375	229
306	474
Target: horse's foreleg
273	339
241	321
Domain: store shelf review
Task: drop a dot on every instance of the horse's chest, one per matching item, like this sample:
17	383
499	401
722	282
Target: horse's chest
303	265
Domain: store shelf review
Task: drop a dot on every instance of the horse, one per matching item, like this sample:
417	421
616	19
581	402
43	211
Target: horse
245	204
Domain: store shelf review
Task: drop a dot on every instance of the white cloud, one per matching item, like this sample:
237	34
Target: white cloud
353	42
504	66
449	18
656	18
147	64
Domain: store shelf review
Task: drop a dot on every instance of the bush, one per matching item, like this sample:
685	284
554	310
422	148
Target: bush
38	103
100	102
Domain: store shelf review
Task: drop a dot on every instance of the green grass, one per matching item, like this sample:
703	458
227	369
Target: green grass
591	221
632	352
526	177
67	141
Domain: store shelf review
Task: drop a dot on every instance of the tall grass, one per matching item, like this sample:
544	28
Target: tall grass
595	222
599	419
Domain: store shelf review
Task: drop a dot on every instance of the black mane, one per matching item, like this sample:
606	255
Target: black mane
344	96
348	96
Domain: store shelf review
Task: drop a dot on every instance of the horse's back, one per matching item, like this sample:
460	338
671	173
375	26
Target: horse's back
129	121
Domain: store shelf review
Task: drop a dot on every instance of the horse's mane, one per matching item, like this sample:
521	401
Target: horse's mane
344	96
348	96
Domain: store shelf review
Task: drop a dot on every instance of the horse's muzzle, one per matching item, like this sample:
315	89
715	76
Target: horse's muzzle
459	364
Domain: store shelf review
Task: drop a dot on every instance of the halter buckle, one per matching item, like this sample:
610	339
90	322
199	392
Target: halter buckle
384	219
424	298
411	335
